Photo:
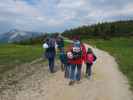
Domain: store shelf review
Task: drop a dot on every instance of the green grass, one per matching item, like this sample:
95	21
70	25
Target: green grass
122	50
12	55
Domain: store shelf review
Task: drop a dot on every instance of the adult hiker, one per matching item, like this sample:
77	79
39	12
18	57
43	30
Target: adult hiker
75	61
50	51
60	43
90	58
84	52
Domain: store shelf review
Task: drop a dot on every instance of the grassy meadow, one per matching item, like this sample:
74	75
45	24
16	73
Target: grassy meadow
122	49
12	55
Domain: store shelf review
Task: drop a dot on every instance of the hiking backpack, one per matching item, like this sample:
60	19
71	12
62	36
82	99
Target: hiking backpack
90	58
51	44
77	52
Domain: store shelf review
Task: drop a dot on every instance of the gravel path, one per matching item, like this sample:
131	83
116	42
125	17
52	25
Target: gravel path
107	83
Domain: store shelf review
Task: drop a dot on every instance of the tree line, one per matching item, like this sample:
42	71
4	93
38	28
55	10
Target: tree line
104	30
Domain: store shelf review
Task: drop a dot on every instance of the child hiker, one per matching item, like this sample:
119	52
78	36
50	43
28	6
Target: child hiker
63	59
60	43
90	58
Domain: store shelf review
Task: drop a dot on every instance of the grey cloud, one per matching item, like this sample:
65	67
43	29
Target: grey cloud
57	15
116	4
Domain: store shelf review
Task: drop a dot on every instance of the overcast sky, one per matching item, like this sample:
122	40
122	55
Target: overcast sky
58	15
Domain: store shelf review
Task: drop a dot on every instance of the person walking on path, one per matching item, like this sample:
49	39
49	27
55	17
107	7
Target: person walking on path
64	61
60	43
84	51
90	58
50	52
75	61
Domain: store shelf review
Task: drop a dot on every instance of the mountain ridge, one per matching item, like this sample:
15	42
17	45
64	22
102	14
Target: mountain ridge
16	35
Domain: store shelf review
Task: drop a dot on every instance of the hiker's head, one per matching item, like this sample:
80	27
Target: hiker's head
76	38
77	43
89	50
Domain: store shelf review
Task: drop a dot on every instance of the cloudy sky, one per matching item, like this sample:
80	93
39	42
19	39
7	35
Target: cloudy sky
58	15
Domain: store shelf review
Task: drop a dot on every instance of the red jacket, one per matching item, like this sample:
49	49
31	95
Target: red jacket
80	60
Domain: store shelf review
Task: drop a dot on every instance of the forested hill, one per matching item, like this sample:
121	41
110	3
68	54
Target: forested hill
104	30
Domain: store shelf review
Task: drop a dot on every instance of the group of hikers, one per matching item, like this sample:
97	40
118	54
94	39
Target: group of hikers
71	58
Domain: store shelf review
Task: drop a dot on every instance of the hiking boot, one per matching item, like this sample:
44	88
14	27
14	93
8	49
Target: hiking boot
52	71
71	83
78	82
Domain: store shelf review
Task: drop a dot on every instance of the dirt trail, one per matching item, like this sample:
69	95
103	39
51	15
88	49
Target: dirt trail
107	83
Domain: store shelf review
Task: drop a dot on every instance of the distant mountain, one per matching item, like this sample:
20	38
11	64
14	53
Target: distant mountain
17	36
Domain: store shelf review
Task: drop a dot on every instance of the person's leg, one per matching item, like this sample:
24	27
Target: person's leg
72	74
78	75
62	62
50	64
89	70
62	66
87	67
66	71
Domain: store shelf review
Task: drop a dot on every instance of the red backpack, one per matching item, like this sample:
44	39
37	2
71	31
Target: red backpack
90	58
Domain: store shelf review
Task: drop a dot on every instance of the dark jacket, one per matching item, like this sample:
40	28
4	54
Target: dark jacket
60	42
51	51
